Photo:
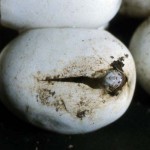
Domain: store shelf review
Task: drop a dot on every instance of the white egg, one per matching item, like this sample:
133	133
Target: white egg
25	14
136	8
140	48
55	79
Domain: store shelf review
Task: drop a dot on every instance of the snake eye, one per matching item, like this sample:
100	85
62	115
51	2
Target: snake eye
113	81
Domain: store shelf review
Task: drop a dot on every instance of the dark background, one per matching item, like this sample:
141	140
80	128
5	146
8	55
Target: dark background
130	132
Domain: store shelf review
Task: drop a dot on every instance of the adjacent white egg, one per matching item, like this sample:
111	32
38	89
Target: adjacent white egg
136	8
140	48
25	14
60	79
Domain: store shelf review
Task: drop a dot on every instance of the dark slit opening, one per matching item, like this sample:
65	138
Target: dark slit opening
94	83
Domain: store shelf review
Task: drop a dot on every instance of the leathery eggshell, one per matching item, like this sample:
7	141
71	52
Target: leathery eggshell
140	48
60	79
57	13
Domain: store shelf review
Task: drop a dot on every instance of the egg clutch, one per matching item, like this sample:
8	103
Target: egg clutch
65	72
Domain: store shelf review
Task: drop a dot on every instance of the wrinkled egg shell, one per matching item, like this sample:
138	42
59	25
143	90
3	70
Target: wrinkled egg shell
140	48
57	13
33	68
136	8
